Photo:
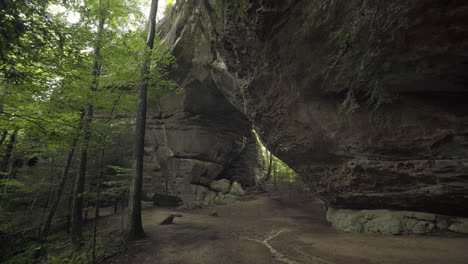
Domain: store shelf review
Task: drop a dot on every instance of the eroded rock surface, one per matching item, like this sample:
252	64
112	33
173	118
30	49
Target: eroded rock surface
220	192
365	99
196	136
222	185
388	222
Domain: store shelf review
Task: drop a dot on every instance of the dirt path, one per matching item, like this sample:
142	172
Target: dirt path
271	231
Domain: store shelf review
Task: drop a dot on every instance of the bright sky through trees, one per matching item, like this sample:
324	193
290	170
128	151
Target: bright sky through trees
74	17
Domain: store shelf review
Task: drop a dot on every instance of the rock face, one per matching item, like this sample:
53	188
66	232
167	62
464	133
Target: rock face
197	136
236	189
221	185
386	222
201	196
365	99
248	163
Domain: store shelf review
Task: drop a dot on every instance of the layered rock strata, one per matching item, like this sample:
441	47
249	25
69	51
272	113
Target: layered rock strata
365	99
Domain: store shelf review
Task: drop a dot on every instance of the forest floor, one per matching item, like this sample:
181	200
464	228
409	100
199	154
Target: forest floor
269	229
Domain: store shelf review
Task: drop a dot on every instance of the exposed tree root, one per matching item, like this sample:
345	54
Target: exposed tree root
278	256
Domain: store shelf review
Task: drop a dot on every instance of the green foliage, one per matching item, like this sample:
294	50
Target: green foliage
283	171
70	256
169	7
118	186
58	250
21	18
45	74
6	183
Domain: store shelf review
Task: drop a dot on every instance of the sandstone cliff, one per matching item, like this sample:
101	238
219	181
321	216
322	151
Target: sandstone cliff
366	99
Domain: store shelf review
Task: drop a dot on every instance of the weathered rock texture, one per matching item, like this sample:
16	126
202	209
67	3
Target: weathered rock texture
201	196
249	163
366	99
195	135
388	222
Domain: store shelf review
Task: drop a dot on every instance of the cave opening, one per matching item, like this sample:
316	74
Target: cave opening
278	176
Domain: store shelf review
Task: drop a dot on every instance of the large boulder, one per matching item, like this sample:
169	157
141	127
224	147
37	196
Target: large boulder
222	185
225	199
460	225
365	99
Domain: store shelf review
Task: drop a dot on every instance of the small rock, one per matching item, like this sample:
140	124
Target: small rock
222	185
214	213
169	220
200	192
236	189
210	198
225	199
461	226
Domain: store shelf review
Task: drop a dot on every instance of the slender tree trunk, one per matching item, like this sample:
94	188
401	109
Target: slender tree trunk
7	169
134	219
28	214
268	176
69	207
275	175
116	204
33	204
77	211
49	192
3	137
78	199
58	193
5	165
86	202
4	132
123	212
96	211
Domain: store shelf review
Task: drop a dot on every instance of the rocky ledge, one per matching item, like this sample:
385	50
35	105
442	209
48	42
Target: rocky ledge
365	99
220	192
388	222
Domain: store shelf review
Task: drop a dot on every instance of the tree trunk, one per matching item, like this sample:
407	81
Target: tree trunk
3	137
49	193
58	193
134	218
77	211
123	212
4	132
69	207
96	210
4	167
268	176
275	176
